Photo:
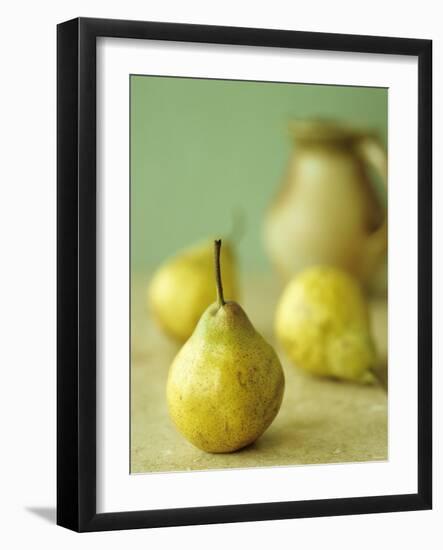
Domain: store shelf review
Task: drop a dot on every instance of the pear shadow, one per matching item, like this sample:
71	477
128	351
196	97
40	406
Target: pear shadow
278	437
47	513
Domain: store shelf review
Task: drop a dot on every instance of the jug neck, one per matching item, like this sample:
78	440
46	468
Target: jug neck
322	133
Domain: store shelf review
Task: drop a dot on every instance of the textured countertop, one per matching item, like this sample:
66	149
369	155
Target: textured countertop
320	421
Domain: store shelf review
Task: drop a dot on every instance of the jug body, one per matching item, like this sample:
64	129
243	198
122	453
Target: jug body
327	210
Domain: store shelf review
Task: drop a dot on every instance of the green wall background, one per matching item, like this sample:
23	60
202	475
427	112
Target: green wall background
202	150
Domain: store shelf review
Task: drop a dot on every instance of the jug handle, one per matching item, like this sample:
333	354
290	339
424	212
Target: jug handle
374	155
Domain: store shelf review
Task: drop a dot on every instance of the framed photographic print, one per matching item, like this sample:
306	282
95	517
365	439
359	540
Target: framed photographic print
244	274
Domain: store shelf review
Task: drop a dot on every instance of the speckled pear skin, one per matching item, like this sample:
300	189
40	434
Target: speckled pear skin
177	311
226	384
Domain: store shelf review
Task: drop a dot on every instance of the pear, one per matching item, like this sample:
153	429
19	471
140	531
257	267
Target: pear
225	386
180	290
322	322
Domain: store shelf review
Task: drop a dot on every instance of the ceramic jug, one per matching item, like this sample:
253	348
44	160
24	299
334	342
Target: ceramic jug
327	210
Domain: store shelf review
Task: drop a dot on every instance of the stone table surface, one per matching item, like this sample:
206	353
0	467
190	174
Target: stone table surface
320	421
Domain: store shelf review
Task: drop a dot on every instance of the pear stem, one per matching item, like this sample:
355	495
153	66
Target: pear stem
218	279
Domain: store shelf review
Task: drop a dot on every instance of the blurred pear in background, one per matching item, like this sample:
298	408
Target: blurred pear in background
322	322
327	211
183	287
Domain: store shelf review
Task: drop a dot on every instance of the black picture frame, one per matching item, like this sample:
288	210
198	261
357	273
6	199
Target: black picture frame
76	273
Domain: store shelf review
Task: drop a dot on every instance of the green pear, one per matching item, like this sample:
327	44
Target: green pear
225	386
181	289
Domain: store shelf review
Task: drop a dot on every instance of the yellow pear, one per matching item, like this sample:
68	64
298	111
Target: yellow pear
322	322
181	289
225	386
